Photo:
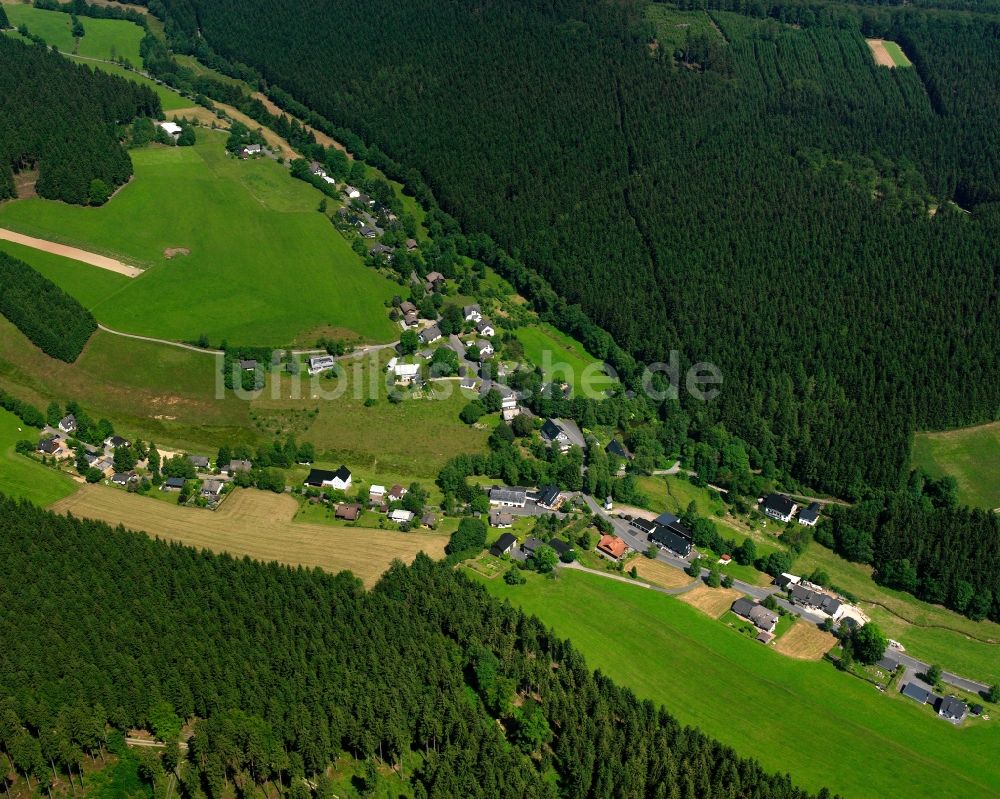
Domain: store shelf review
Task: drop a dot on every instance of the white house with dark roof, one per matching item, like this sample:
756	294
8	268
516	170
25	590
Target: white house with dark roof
472	313
508	497
68	423
484	327
321	363
779	507
810	515
324	478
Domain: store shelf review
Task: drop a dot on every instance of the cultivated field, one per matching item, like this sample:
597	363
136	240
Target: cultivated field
888	54
931	633
805	641
21	477
259	525
103	38
711	601
736	690
264	266
564	359
659	573
970	455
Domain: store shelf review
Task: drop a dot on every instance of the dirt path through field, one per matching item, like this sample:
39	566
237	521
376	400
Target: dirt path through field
882	57
321	137
101	261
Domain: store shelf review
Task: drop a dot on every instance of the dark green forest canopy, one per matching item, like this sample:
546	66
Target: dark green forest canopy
781	210
61	118
103	625
56	322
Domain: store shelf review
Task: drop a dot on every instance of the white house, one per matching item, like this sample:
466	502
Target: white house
485	328
401	516
485	348
351	192
472	313
376	493
172	129
321	363
323	478
508	497
68	423
779	507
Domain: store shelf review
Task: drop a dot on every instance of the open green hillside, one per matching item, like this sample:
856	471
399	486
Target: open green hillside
971	455
103	38
264	267
21	477
821	726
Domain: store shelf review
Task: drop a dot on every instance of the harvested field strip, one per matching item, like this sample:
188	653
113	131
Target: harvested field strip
805	641
713	601
101	261
660	573
256	524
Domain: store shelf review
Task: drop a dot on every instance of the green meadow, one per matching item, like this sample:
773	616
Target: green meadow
22	477
264	267
896	54
563	359
823	727
971	455
103	38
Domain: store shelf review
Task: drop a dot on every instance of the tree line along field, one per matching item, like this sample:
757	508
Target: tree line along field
802	717
264	267
106	39
169	99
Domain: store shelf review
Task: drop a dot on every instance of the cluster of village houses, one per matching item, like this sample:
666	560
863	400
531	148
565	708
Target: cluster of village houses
380	498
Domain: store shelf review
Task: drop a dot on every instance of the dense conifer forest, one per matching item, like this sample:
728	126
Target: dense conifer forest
62	119
56	322
777	204
285	669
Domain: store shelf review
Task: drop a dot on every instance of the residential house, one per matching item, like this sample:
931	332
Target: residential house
784	580
725	559
250	150
172	129
802	594
549	498
763	618
916	692
646	526
68	423
531	545
560	546
198	461
407	307
321	363
743	606
510	410
376	493
124	478
499	518
809	516
411	319
673	537
364	199
323	478
248	365
485	328
952	708
429	520
779	507
316	168
105	466
612	546
406	373
381	249
563	433
172	484
503	545
369	232
472	313
51	446
485	349
117	441
618	450
426	354
469	383
238	465
401	516
212	489
508	497
430	334
351	192
434	281
348	511
397	492
411	245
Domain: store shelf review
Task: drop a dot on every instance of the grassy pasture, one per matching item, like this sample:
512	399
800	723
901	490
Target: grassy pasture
931	633
20	476
86	283
896	54
970	455
264	266
564	359
103	38
750	697
257	524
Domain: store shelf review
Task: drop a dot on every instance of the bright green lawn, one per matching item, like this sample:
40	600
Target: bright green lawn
821	726
22	477
896	54
564	360
169	99
970	455
104	38
264	267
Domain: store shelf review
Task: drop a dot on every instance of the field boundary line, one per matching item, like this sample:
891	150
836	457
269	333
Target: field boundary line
73	253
